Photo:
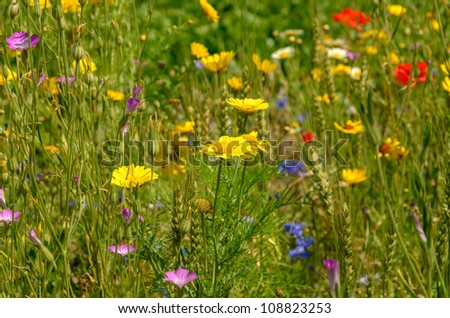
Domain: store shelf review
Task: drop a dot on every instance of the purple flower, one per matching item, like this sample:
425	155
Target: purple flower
2	197
140	218
122	250
127	213
332	267
301	243
41	80
8	216
419	227
34	238
136	92
132	105
353	55
76	178
63	79
199	65
19	41
181	277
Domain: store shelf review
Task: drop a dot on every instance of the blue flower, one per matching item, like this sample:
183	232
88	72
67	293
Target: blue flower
293	168
282	102
300	251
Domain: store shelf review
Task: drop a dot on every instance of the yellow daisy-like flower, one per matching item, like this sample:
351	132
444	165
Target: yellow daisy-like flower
209	10
446	84
354	176
351	127
374	33
252	138
395	9
42	3
70	6
393	58
230	147
324	98
235	83
445	67
115	96
184	128
391	149
265	66
85	65
11	75
132	177
199	50
218	62
51	148
341	69
248	105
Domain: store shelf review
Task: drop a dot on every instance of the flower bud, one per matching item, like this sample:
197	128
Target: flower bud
34	238
13	9
77	52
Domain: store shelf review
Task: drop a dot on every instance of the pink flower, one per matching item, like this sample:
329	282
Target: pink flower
34	238
332	267
126	213
181	277
19	41
7	216
122	250
2	197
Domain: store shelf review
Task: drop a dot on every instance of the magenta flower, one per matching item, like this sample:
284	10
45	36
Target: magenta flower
127	213
332	267
122	250
63	79
132	105
34	238
2	197
41	80
137	92
19	41
181	277
8	216
140	218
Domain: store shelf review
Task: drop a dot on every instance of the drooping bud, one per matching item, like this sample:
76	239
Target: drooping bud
13	9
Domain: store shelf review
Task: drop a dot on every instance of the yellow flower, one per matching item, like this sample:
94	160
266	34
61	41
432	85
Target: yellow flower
235	83
199	50
218	62
446	84
354	176
264	66
11	75
324	98
70	6
209	10
316	73
51	85
42	3
184	128
340	69
85	65
51	148
248	105
396	9
393	58
445	67
371	50
351	127
391	149
283	53
229	147
374	33
435	24
115	96
132	177
252	138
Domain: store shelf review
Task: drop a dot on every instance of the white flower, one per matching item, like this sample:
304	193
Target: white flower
355	73
337	53
283	53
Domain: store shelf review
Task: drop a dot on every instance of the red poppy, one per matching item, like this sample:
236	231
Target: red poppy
308	136
353	18
403	71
